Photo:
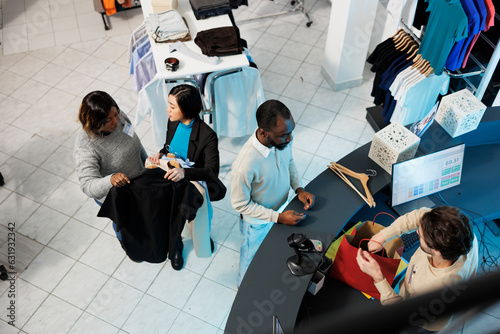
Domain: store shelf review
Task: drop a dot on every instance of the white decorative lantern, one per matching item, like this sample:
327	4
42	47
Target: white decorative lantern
393	144
460	112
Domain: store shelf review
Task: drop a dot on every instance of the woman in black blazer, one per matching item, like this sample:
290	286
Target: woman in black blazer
189	138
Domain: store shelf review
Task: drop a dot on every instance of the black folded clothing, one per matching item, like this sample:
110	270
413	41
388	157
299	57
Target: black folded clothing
222	41
203	9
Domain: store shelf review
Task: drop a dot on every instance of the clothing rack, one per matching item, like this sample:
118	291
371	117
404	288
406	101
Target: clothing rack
299	6
105	18
458	75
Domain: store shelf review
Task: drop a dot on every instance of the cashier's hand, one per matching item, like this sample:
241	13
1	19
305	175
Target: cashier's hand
376	243
291	217
305	197
119	180
368	265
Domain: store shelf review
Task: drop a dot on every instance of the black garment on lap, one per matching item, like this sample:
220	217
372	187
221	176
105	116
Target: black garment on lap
150	213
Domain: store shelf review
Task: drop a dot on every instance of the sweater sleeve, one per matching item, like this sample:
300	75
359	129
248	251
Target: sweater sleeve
295	181
241	198
387	293
87	168
406	223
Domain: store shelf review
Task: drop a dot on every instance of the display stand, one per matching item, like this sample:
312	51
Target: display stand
375	118
99	8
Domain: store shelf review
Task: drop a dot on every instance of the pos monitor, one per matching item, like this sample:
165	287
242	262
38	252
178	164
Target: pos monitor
413	180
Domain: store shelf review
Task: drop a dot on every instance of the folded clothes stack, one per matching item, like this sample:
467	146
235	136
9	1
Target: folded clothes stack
166	26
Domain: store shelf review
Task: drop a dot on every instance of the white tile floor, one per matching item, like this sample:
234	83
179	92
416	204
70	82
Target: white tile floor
74	277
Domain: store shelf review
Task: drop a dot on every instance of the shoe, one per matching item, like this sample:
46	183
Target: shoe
177	260
212	245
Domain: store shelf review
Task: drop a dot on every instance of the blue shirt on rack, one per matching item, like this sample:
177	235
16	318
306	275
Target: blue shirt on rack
483	13
180	141
447	25
474	19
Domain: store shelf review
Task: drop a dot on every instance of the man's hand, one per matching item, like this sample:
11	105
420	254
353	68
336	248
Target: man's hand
291	217
119	179
305	197
369	266
377	243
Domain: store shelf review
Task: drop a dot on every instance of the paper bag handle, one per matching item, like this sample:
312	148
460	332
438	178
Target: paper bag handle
385	213
359	246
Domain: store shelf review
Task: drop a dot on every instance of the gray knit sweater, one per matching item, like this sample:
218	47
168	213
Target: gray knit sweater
99	157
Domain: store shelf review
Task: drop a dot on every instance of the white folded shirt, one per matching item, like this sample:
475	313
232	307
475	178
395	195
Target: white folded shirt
166	26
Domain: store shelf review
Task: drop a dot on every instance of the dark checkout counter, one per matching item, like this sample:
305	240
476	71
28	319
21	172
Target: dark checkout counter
269	289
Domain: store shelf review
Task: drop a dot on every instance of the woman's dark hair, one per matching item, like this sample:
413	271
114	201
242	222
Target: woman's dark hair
94	110
447	230
268	112
189	100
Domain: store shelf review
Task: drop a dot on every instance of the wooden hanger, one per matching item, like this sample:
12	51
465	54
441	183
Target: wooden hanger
412	51
429	70
418	61
404	41
423	68
399	35
340	170
408	43
398	32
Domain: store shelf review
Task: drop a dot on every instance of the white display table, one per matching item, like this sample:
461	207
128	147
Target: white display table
187	65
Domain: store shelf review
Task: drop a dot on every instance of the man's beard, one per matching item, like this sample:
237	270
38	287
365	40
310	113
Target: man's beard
280	147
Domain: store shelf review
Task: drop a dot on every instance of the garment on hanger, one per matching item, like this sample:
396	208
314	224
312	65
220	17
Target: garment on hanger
454	60
447	24
421	14
403	84
381	59
408	13
399	89
489	22
237	97
139	32
139	52
137	43
110	6
151	101
420	98
144	71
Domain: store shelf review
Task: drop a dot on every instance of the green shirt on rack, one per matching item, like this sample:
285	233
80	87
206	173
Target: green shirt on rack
447	24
